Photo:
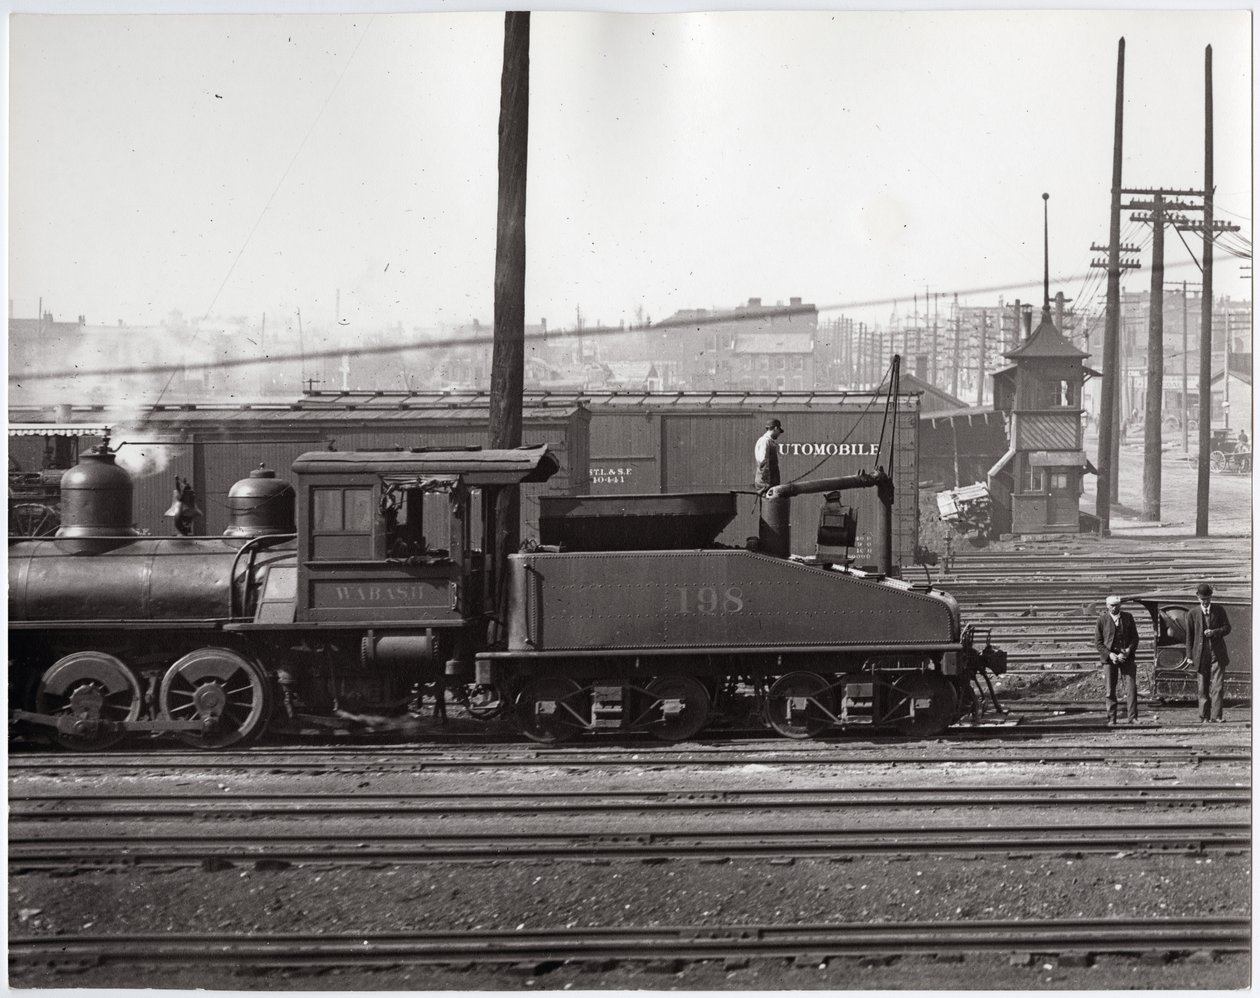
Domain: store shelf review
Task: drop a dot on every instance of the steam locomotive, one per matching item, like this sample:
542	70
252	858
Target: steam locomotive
379	579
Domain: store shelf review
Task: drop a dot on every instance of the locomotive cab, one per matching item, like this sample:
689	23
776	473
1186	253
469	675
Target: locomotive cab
404	542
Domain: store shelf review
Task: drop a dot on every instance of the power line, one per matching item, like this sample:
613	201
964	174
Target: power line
484	338
275	190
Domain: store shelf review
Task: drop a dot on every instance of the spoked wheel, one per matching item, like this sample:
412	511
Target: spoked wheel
92	689
800	705
552	709
33	519
676	709
222	688
930	704
1217	460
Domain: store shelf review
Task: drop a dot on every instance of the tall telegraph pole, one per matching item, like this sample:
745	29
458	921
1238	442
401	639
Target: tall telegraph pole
1152	469
1205	324
507	367
1111	338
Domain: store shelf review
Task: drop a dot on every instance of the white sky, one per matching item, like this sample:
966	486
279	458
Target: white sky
241	165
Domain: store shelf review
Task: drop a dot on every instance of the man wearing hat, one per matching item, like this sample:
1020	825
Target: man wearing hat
1206	628
1116	638
766	453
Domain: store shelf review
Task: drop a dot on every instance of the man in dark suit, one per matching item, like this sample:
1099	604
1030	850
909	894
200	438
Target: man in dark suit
1206	628
1116	638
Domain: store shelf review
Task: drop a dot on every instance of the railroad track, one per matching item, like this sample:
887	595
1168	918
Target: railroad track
59	807
547	948
37	850
321	761
1044	595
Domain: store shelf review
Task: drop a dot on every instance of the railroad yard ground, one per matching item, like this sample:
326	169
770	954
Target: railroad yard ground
897	864
1229	495
1057	817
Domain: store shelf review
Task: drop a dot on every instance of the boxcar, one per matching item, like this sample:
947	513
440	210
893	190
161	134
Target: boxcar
212	445
667	442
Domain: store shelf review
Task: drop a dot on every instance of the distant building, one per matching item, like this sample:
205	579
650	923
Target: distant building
1237	392
752	346
68	350
638	376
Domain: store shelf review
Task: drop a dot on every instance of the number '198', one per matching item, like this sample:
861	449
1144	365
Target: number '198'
710	600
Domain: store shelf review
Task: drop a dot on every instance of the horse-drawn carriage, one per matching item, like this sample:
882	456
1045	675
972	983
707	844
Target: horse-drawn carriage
1230	453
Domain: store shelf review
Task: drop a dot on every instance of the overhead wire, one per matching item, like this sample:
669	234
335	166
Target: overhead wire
271	197
858	422
483	337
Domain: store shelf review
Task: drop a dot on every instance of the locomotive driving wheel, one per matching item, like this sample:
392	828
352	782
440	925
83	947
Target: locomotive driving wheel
925	704
86	691
800	705
678	709
552	709
223	690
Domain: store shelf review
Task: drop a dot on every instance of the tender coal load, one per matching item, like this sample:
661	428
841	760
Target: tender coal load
635	523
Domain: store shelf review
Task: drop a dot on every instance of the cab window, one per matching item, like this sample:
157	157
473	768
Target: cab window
341	523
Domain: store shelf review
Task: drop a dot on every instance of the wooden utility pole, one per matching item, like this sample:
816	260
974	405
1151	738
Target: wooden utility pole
957	361
1205	325
1152	468
1158	212
507	366
1185	382
1111	338
984	349
1225	378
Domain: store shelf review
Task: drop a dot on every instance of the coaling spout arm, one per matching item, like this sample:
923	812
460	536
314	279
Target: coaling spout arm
775	528
862	480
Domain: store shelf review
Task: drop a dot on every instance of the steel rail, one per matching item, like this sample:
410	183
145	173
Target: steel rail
45	806
630	755
42	851
695	942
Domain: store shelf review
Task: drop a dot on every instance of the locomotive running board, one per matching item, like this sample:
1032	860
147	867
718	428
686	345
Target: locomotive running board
927	646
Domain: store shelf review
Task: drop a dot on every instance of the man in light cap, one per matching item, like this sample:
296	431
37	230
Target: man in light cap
1206	628
766	453
1116	638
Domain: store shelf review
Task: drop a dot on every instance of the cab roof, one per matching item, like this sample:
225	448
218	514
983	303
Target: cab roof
473	464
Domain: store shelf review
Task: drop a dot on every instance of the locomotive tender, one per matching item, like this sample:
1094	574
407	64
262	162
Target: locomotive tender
382	576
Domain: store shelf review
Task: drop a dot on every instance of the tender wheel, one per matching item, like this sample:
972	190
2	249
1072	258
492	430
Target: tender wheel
928	704
552	709
87	688
680	708
33	519
221	687
800	705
